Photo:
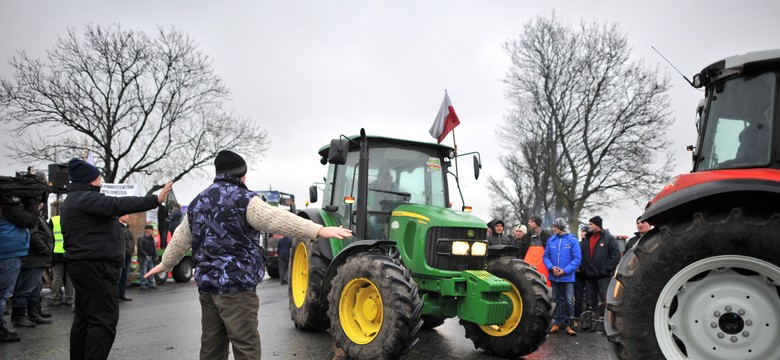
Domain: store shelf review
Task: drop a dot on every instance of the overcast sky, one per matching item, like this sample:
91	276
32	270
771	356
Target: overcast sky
308	71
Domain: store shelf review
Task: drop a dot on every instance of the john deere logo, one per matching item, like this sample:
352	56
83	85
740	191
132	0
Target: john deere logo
470	233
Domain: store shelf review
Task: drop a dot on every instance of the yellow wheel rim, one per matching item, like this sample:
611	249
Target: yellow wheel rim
361	311
299	278
514	318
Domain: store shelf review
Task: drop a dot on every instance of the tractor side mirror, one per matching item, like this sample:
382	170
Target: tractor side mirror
477	166
338	151
313	194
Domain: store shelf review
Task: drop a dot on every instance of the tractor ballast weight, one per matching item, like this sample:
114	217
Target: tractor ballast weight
704	283
412	263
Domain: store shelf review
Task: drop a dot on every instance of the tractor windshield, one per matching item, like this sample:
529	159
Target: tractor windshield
738	126
396	175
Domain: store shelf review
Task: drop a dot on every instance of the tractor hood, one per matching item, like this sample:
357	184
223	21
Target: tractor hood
437	216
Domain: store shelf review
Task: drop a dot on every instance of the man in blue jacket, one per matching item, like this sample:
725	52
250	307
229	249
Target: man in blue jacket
562	257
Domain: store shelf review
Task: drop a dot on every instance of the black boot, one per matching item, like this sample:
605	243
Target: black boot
41	312
19	318
34	315
8	335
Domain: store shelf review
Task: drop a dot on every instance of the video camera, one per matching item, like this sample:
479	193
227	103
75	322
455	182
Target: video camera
25	185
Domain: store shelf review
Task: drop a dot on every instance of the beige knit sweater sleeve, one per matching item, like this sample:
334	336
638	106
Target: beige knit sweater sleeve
264	217
260	215
179	245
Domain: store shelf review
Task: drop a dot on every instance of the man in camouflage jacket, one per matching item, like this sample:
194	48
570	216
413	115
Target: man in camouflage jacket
225	221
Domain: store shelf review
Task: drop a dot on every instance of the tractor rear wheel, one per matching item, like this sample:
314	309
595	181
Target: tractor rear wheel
526	328
702	288
182	272
374	308
308	304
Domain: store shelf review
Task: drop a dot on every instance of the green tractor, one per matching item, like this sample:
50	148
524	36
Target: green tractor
413	261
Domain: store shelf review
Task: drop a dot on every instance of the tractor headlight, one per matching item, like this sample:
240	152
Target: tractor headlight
478	249
460	248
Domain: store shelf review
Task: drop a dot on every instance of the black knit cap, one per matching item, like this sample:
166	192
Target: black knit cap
230	163
596	220
81	171
148	227
537	220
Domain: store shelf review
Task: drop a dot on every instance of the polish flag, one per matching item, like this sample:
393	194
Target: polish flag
445	121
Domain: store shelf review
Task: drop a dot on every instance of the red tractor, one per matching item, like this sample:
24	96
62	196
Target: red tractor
705	282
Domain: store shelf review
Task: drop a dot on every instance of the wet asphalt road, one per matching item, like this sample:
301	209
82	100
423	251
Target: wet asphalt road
165	324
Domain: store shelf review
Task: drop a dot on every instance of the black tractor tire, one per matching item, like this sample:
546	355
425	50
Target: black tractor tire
530	330
373	280
306	280
272	271
699	269
161	277
430	322
182	272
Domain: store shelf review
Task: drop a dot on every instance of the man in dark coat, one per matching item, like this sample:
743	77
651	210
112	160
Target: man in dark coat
600	257
147	252
95	249
283	248
174	219
642	227
129	241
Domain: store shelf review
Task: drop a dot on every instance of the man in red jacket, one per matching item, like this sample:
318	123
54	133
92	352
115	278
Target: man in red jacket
600	257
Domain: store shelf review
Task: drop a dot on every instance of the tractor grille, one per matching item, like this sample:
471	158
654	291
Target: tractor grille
451	262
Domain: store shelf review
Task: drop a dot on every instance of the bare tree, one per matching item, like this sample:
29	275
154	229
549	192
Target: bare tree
149	108
587	124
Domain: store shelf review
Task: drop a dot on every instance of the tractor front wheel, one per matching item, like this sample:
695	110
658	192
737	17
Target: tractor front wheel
308	304
374	308
706	287
526	327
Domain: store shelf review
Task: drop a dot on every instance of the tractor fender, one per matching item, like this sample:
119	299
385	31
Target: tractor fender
689	199
351	249
495	251
315	215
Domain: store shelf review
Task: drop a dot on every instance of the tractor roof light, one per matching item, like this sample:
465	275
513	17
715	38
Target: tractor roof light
460	248
349	200
467	208
479	249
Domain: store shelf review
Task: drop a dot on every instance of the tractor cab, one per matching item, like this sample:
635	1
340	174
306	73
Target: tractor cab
736	120
397	172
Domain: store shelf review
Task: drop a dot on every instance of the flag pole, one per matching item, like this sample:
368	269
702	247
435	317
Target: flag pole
455	145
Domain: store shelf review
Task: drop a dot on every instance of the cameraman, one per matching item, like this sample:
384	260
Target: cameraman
27	294
17	215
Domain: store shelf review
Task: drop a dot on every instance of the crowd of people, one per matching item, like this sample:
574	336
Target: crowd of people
89	248
578	270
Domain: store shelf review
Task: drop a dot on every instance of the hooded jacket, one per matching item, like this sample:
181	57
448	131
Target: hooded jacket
562	250
90	226
499	239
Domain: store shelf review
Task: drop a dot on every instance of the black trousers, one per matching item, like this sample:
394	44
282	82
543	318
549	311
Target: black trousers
596	293
97	309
